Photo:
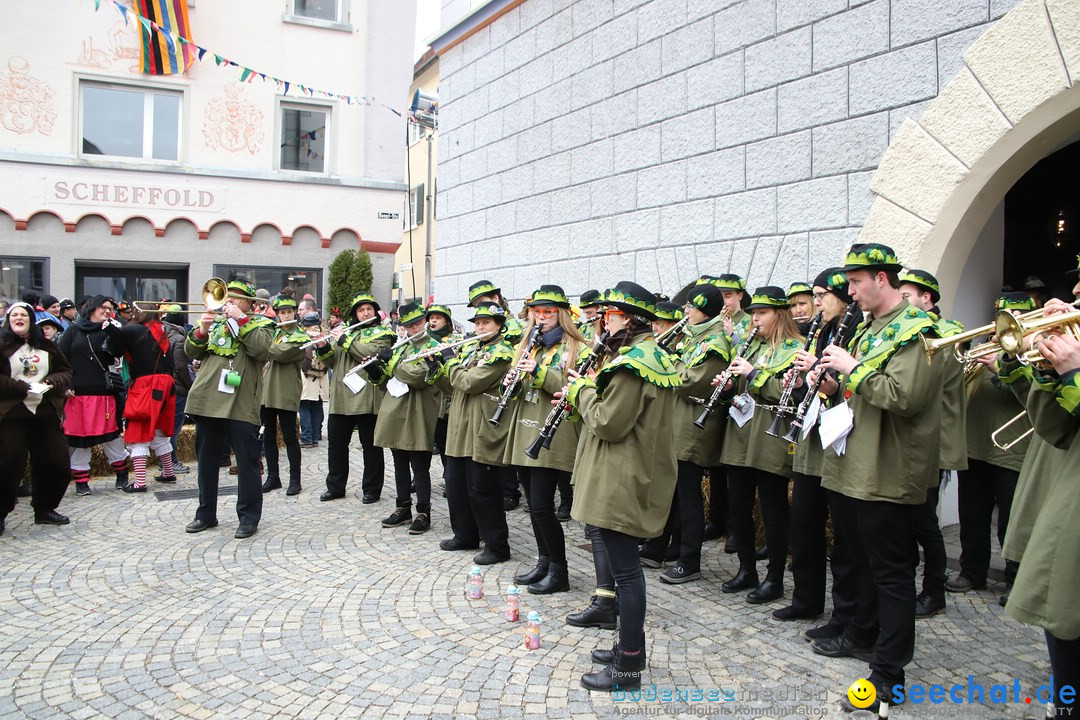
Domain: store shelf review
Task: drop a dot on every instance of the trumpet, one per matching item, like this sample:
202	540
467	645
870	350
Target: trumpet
784	407
1009	445
513	377
323	337
725	376
1016	333
438	350
668	336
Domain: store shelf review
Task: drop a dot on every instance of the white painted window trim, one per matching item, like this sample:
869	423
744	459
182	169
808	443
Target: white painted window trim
148	89
287	103
342	23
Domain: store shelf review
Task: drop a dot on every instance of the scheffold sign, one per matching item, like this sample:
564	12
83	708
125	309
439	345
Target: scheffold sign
150	196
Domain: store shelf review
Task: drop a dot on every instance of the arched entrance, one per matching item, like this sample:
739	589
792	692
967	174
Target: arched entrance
941	184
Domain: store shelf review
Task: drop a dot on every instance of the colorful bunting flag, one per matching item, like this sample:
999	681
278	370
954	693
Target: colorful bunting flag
162	21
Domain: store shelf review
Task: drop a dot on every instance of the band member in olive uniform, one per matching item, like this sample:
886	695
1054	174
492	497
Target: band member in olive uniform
354	402
801	297
407	417
809	502
282	386
440	326
891	458
558	348
755	460
667	315
736	319
589	302
473	445
990	479
701	354
626	467
921	289
224	402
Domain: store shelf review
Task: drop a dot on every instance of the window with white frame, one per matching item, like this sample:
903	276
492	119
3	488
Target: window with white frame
417	132
328	10
415	208
304	131
130	121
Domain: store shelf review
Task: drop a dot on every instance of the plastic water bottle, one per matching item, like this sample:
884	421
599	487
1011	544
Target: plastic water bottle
513	603
532	631
474	587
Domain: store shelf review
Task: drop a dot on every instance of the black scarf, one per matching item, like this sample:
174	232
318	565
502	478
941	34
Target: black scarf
552	337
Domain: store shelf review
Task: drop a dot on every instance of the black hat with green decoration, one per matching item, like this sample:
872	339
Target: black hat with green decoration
440	309
548	296
242	287
924	280
632	299
707	298
769	296
667	310
410	313
284	302
871	256
589	298
835	281
362	299
799	288
491	310
726	281
480	289
1014	301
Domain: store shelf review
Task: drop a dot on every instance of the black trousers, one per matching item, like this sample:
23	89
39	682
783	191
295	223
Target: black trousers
604	579
339	430
211	435
508	476
270	419
622	554
419	463
880	539
566	490
657	547
927	535
1065	667
550	540
719	512
440	439
809	513
846	581
981	487
41	436
772	489
474	499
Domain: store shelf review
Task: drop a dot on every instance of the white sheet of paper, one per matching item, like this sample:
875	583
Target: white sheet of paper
396	388
836	423
40	388
811	418
743	416
354	382
224	387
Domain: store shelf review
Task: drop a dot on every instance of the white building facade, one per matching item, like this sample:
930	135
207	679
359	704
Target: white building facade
143	186
588	141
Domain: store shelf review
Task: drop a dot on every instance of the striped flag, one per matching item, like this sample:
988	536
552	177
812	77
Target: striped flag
160	53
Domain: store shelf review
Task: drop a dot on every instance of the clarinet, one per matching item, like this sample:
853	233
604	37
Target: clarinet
562	408
795	430
667	337
513	377
725	376
789	380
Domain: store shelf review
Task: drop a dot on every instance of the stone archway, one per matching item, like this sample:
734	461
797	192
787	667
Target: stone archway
1016	100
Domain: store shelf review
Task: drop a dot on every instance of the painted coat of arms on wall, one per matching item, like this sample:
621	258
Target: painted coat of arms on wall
232	123
26	103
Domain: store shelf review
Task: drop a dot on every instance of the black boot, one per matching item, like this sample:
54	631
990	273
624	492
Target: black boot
600	656
745	579
536	574
601	613
273	482
121	479
294	482
623	672
556	580
24	490
771	589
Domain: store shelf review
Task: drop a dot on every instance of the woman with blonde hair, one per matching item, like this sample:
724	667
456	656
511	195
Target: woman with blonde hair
544	365
758	462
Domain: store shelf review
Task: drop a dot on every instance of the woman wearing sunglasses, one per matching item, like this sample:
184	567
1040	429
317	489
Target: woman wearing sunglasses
558	348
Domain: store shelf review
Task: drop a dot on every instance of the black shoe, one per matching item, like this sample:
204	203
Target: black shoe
828	630
623	672
198	526
509	503
134	488
766	592
677	575
795	612
272	483
1004	599
370	499
121	479
24	491
601	613
82	488
601	656
712	531
420	524
563	513
647	559
165	479
556	580
330	496
539	572
927	606
490	557
51	517
400	516
451	544
743	580
294	489
762	553
841	647
730	546
245	531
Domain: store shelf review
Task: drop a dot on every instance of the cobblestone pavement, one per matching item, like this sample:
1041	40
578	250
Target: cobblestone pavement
121	614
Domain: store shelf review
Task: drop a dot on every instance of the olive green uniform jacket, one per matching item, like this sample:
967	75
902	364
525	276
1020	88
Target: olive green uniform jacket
625	472
343	355
701	354
954	454
749	445
990	405
474	380
894	448
531	406
408	422
1045	590
282	383
245	354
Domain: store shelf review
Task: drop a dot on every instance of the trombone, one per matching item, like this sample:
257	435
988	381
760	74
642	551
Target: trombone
215	294
1007	446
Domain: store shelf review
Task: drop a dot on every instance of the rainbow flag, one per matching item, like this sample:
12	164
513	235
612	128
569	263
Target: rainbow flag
159	52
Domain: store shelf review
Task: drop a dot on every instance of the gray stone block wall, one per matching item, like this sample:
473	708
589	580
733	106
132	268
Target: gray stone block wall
588	141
